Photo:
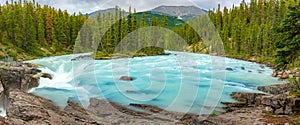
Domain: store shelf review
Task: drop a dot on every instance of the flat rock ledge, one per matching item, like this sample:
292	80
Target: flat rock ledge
275	106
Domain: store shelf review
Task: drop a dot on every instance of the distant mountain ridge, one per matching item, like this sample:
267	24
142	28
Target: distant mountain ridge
110	10
184	13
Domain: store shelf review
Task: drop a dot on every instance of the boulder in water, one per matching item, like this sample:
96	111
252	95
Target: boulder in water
46	75
130	91
82	57
262	66
126	78
229	69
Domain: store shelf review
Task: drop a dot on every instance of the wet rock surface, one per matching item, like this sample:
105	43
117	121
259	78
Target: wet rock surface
83	57
229	69
279	104
19	76
126	78
276	89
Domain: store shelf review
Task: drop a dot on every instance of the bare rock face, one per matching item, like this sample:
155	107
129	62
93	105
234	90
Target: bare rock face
29	109
279	104
19	76
248	98
276	89
16	76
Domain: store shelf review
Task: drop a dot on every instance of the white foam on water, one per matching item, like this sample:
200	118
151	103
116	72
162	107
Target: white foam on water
2	112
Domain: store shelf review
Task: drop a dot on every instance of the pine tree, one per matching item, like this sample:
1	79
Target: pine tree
134	21
288	39
154	21
129	21
164	21
144	20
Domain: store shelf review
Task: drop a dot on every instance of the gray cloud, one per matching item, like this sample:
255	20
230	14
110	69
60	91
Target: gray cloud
87	6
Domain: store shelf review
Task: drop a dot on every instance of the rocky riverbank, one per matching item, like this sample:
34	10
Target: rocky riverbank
276	107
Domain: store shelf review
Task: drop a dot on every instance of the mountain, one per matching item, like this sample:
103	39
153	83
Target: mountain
173	21
110	10
182	12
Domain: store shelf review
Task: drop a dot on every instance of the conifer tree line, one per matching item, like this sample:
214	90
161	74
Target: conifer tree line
29	29
104	32
287	41
247	30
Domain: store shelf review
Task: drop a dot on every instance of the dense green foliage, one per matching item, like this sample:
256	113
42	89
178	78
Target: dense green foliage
287	44
29	30
171	21
246	30
288	39
106	33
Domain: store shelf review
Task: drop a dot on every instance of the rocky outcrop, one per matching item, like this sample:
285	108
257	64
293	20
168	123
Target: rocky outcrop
285	74
29	109
276	89
19	76
248	98
279	103
16	76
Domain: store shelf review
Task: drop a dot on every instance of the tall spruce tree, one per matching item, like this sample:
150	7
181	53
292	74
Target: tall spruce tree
288	39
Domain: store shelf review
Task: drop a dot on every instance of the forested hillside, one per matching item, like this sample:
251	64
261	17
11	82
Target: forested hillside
29	30
247	31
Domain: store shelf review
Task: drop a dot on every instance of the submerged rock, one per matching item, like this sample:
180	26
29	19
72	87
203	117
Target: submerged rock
82	57
44	75
126	78
229	69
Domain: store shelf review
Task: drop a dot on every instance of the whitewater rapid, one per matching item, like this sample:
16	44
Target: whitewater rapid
184	82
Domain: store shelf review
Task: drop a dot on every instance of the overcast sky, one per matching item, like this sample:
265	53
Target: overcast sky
87	6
